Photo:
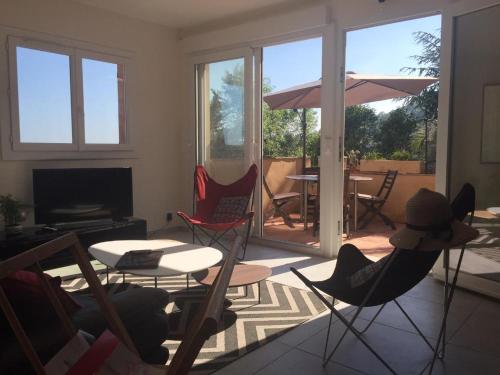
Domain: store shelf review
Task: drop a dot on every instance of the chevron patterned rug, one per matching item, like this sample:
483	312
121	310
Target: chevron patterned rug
247	325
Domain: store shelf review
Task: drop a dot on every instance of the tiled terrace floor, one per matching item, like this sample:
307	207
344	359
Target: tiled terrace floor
473	330
373	240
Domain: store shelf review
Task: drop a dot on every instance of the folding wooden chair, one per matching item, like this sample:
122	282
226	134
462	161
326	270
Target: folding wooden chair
31	260
374	203
280	200
207	319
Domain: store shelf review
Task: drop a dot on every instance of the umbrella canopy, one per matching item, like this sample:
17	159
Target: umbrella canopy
360	89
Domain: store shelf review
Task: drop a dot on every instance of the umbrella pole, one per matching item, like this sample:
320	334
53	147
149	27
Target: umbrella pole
304	129
426	140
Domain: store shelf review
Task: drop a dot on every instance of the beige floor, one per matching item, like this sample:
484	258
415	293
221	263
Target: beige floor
473	329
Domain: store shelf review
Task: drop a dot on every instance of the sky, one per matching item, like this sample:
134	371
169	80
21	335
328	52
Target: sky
44	78
45	98
377	50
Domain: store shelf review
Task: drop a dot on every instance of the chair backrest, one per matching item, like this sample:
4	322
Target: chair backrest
387	184
207	319
464	203
310	170
30	260
270	194
208	192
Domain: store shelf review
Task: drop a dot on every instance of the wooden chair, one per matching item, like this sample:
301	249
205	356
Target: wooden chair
374	203
30	260
279	200
207	319
312	196
346	206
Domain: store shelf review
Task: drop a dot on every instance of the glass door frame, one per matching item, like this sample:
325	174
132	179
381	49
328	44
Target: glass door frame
332	123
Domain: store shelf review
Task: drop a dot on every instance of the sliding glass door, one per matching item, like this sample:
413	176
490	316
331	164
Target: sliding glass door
223	108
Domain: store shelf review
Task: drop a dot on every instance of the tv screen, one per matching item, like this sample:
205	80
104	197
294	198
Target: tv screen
81	194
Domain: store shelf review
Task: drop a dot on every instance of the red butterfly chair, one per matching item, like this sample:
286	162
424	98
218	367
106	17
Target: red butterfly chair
220	209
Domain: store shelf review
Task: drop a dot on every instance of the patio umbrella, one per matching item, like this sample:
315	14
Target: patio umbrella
359	89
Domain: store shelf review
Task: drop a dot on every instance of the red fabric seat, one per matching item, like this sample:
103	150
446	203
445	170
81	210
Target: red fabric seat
209	194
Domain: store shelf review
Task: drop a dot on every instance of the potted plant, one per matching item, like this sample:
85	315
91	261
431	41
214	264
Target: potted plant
14	212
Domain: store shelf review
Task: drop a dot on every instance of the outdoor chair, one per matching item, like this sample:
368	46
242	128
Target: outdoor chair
346	208
207	319
374	203
312	195
220	209
280	200
361	282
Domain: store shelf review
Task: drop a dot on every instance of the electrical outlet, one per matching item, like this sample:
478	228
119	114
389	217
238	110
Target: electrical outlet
169	217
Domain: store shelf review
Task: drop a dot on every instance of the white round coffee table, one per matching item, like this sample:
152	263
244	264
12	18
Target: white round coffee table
178	257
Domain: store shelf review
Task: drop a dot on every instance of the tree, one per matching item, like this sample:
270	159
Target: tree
282	130
361	125
425	105
227	124
395	132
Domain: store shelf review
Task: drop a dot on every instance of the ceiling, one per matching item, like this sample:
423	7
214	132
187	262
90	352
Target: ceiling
186	14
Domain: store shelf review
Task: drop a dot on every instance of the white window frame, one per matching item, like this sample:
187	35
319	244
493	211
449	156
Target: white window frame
78	149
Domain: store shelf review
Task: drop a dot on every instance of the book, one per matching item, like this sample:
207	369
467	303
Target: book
139	259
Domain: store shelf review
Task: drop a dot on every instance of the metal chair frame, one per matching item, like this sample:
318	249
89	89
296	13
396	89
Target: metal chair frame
349	324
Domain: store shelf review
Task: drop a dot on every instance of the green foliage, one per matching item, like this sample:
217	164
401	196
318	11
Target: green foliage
361	126
395	132
400	155
282	131
13	211
226	116
427	65
373	155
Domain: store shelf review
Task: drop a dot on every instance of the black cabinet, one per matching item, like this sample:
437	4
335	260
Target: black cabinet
131	229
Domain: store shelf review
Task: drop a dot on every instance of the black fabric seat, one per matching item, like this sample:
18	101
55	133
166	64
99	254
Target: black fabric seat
407	269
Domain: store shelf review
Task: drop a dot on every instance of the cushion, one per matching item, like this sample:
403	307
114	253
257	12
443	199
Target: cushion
365	274
230	209
32	306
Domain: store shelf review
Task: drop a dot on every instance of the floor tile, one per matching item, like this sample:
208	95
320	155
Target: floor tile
405	352
481	332
426	315
256	360
460	361
298	362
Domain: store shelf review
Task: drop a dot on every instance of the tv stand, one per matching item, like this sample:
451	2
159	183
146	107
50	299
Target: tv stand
89	234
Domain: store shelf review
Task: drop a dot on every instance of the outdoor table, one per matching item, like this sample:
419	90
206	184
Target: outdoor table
307	178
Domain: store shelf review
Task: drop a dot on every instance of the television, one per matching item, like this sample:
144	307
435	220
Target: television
82	194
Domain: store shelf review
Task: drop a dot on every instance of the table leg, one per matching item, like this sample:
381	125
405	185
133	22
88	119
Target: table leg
355	206
258	284
187	281
156	282
446	260
305	189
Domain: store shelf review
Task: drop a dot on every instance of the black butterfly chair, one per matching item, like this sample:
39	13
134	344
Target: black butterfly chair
384	281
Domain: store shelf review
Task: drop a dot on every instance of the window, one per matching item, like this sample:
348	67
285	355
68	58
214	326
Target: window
66	99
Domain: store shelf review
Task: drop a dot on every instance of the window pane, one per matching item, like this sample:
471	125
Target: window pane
43	82
103	97
227	123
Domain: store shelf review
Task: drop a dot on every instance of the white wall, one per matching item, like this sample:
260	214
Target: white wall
153	97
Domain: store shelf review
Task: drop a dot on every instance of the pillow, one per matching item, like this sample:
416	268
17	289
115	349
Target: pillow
27	297
230	209
363	275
